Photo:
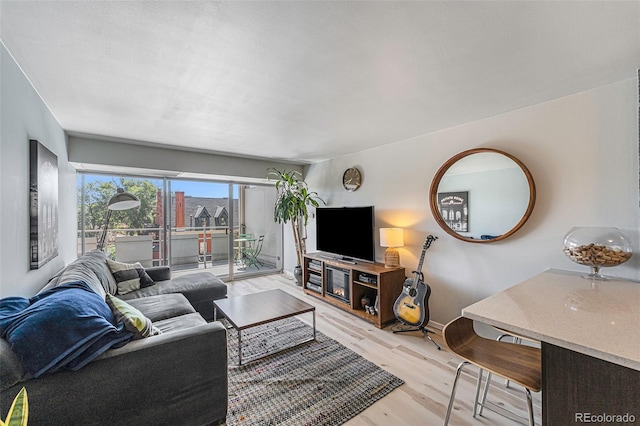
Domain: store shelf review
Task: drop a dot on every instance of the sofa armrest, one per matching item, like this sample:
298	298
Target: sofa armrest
174	378
159	273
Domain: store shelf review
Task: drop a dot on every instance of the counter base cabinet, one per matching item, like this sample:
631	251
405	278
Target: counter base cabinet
349	286
580	389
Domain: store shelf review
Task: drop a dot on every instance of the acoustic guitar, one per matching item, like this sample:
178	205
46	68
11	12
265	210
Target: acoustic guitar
412	306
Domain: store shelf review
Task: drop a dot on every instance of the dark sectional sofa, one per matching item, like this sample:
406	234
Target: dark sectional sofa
200	289
178	377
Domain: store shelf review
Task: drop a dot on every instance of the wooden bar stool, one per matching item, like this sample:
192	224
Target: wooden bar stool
515	338
518	363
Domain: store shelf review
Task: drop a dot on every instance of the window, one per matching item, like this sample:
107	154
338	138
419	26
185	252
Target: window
186	224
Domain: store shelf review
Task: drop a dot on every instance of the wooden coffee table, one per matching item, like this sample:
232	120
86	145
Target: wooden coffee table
255	309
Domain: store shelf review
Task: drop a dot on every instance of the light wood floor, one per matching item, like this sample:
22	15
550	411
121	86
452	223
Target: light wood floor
427	372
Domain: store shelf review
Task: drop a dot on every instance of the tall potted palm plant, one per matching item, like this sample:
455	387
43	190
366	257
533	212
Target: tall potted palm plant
294	199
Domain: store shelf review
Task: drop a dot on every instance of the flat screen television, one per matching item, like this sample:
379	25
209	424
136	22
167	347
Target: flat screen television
346	232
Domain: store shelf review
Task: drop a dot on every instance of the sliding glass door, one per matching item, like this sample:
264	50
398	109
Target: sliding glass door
190	225
258	239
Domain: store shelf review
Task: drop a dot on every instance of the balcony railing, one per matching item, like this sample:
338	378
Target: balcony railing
190	246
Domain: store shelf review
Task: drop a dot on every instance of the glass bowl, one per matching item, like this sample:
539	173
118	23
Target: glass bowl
597	247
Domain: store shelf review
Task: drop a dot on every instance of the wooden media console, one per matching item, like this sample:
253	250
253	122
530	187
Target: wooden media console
345	284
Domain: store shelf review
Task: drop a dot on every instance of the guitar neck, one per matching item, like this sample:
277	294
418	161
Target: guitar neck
426	245
419	269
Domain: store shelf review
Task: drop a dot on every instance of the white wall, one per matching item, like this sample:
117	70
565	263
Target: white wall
582	151
24	116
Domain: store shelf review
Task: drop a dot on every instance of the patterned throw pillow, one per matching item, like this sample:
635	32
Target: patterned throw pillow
129	277
134	320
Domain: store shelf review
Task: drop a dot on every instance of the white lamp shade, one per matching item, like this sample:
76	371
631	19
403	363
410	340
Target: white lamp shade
391	237
123	201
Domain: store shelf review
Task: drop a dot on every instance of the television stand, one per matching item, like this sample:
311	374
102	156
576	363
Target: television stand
366	290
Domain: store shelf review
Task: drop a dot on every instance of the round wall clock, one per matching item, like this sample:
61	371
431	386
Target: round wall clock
351	179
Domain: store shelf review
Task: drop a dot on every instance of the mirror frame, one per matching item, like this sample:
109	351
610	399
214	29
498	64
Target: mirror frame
433	194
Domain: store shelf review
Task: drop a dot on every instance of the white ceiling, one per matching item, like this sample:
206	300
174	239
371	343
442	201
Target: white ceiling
306	81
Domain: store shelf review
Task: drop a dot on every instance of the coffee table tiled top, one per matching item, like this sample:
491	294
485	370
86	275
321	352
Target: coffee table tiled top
255	309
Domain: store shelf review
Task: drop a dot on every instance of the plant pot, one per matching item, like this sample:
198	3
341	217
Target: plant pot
297	273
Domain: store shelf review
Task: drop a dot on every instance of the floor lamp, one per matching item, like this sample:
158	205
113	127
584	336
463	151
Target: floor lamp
121	201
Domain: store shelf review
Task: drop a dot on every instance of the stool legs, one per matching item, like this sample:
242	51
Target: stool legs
484	396
475	401
484	393
530	406
453	391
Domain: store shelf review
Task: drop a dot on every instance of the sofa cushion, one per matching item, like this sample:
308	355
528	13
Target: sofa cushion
196	287
133	320
162	306
159	273
129	276
200	288
12	370
181	322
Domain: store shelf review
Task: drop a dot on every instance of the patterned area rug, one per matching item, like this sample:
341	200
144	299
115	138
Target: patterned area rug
317	383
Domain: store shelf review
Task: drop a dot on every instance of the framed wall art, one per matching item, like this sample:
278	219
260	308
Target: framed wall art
43	209
454	209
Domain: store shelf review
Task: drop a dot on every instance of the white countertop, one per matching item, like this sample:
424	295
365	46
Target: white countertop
596	318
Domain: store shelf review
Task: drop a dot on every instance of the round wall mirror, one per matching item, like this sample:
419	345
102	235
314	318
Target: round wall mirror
482	195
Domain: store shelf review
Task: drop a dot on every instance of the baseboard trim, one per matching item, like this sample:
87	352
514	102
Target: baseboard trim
436	325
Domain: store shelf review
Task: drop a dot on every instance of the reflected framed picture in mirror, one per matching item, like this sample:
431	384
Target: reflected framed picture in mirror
454	210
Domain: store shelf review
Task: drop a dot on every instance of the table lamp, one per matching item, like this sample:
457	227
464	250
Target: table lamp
391	238
121	201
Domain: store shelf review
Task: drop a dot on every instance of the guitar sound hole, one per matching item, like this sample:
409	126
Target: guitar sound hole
413	292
